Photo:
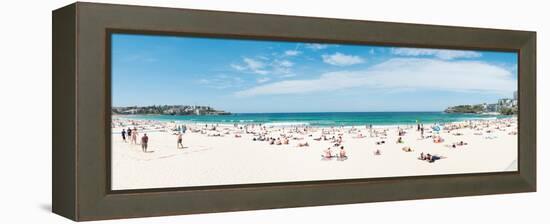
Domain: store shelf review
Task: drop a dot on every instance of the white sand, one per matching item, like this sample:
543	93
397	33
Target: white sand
207	160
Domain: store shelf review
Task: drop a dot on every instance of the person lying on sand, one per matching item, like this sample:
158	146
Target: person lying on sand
433	158
438	139
429	158
407	149
303	144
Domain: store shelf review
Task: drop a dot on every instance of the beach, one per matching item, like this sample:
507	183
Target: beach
227	154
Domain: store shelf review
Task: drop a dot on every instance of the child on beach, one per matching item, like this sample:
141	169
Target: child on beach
144	141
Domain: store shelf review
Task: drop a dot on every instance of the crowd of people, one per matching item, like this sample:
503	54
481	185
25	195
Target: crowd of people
333	136
130	136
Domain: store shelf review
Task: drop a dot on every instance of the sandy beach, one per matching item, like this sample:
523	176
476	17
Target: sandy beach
225	154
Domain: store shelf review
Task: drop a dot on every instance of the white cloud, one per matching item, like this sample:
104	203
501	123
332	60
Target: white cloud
441	54
284	63
340	59
264	66
251	65
221	81
262	80
316	46
238	67
288	75
292	53
402	74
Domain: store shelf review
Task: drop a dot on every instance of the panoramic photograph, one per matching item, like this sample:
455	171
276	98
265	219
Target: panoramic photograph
196	111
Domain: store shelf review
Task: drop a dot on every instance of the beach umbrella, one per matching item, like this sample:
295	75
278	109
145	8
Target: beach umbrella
436	128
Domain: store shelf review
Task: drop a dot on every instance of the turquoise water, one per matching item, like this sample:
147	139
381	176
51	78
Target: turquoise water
323	119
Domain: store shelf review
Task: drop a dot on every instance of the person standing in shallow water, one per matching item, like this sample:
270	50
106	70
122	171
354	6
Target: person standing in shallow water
180	141
144	141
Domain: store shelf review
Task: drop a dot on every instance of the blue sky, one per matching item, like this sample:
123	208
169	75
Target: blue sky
243	76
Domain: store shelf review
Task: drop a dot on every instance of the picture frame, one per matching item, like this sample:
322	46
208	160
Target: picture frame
82	109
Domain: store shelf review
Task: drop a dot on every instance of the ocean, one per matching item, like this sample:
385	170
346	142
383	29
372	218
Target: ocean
325	119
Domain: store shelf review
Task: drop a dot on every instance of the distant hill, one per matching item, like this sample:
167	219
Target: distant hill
168	110
470	109
504	106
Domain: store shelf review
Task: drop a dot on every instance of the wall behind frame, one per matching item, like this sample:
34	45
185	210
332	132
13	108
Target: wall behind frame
26	111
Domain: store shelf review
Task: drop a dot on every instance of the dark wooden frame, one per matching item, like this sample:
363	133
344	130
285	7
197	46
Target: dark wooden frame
81	111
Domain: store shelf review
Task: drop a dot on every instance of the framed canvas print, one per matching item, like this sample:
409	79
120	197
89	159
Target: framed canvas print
201	111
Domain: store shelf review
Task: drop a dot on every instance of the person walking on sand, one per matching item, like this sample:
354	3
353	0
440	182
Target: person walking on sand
129	131
144	141
134	136
123	135
180	141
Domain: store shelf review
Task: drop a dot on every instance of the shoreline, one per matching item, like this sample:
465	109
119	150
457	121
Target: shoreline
294	123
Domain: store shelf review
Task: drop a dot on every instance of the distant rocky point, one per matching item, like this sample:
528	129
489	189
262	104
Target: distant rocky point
505	106
168	110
